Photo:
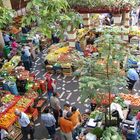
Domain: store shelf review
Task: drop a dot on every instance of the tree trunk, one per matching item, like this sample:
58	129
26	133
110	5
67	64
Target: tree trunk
1	3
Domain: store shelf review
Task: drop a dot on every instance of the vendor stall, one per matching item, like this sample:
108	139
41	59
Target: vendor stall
60	58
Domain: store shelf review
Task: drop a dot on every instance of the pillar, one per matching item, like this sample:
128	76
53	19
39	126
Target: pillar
86	19
117	19
1	41
7	3
127	18
91	21
72	38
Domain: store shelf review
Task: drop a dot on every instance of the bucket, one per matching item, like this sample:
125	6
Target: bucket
13	88
5	85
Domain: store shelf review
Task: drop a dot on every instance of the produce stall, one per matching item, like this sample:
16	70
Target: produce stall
9	66
7	113
60	59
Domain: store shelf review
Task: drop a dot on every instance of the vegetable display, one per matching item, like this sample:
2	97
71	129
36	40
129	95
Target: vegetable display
8	98
120	101
111	134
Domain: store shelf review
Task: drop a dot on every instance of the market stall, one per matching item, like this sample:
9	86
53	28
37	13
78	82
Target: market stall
60	59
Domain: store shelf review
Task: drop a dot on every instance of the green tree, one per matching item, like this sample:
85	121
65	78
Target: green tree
51	16
102	75
6	15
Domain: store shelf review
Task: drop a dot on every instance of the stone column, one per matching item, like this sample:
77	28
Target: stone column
72	37
86	19
117	19
91	21
1	41
127	18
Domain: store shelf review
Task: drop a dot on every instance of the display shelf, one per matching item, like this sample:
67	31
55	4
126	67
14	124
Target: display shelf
40	104
67	71
15	100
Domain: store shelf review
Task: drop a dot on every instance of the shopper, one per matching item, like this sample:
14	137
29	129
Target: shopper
132	76
76	120
76	117
27	49
66	126
55	105
78	46
26	128
66	109
36	42
51	84
6	38
14	44
25	60
49	122
55	39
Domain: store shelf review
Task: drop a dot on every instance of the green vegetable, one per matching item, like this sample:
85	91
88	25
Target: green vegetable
97	131
111	134
114	137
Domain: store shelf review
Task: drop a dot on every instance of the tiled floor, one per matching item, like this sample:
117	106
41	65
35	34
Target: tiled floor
66	86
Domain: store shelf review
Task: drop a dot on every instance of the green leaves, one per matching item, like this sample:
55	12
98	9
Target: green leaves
103	3
103	74
6	16
54	15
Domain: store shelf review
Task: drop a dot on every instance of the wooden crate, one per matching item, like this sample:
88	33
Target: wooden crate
10	128
16	135
67	71
19	137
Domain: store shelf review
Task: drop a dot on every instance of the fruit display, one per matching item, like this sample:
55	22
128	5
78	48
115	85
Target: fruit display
54	55
12	110
8	98
81	33
134	100
134	31
103	99
63	58
9	66
31	94
40	103
23	102
3	109
7	119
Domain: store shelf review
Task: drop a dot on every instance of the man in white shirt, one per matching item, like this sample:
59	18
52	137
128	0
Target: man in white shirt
24	121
